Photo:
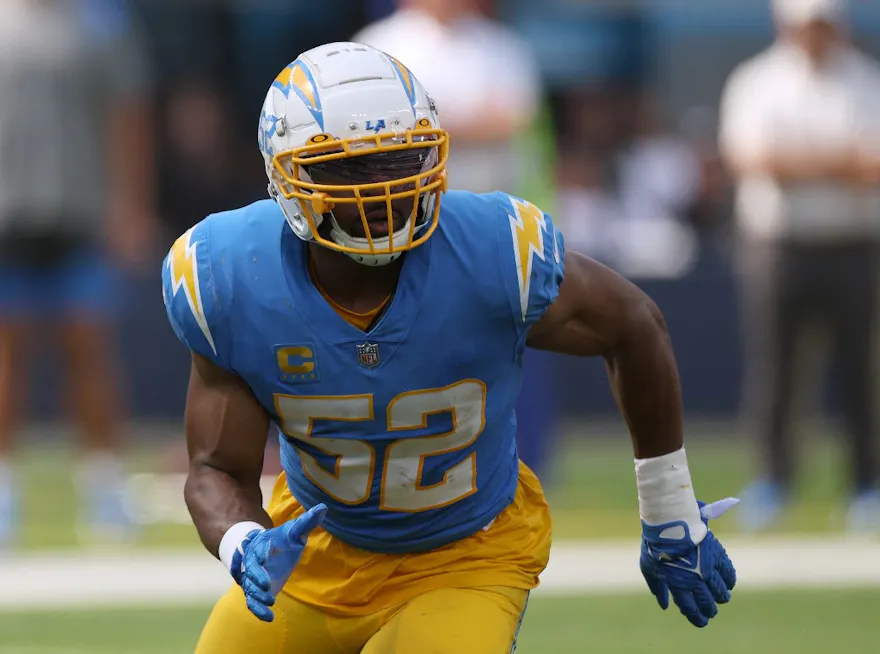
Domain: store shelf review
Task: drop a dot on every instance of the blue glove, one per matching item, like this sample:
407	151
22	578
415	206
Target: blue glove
265	560
697	575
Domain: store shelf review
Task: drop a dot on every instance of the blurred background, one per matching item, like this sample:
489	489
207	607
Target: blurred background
650	133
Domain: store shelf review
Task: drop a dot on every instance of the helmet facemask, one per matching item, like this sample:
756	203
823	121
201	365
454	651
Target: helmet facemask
372	198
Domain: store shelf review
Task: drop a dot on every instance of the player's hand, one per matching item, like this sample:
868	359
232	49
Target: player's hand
698	575
265	559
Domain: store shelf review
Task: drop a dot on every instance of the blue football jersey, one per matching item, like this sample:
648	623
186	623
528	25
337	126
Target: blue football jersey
407	431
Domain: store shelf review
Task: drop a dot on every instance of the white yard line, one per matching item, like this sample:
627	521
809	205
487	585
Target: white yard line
163	577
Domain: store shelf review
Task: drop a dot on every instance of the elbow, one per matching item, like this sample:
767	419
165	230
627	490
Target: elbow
200	480
643	340
655	317
645	320
195	479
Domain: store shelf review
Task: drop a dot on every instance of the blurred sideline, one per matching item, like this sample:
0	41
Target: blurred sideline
67	581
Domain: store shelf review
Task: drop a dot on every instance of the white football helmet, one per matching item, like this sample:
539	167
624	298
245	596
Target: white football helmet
348	124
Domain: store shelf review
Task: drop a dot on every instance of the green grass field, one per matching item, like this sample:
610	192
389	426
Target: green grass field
591	490
762	623
592	494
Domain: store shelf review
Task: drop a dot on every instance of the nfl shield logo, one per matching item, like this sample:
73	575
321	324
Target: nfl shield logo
368	355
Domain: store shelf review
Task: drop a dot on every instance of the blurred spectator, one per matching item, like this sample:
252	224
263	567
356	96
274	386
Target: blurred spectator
483	77
801	130
586	211
658	171
71	77
201	169
710	213
591	117
658	181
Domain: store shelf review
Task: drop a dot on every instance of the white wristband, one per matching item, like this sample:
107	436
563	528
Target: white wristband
232	539
666	493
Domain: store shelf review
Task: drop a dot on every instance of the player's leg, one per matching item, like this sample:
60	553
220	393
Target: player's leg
450	621
775	309
21	293
297	629
88	291
852	311
14	344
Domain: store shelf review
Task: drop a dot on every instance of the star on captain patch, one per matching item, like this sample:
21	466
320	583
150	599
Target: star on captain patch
368	355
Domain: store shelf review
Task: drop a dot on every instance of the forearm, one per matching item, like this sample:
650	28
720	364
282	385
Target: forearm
644	376
598	312
644	379
787	169
217	501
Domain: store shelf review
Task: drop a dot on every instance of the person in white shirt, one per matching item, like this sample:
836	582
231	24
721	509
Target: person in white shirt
800	130
77	205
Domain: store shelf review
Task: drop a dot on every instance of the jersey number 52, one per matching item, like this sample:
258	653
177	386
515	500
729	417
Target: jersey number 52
401	487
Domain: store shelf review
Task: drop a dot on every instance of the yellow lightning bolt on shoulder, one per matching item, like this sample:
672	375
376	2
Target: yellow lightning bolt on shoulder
184	270
527	226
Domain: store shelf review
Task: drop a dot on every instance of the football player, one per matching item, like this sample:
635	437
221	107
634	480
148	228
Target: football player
379	321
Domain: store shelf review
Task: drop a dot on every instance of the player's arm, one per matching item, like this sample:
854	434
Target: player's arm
599	313
226	430
568	303
750	146
226	427
845	167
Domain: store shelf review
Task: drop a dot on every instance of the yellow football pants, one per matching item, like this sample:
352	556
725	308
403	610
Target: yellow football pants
445	621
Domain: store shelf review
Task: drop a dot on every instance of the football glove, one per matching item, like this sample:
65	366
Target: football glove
698	575
265	559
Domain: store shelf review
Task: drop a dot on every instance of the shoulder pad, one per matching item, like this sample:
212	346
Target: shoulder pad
532	253
190	293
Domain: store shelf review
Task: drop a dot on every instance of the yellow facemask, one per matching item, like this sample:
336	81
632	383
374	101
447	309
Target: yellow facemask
317	199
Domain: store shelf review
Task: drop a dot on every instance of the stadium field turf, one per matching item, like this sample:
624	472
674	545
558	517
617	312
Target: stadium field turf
802	622
592	495
591	489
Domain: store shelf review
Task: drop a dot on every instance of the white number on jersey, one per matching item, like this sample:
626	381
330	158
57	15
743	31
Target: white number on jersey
401	487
